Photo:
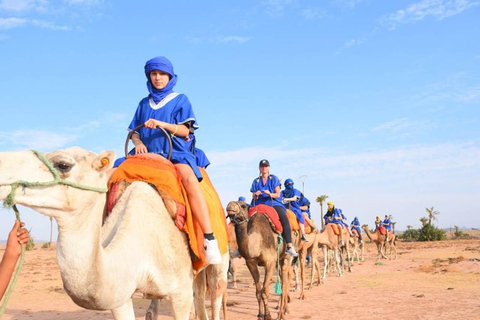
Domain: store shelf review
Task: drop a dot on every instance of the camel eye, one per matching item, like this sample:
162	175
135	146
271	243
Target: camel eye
63	167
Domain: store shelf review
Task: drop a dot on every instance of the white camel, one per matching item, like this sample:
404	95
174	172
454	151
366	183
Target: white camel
138	248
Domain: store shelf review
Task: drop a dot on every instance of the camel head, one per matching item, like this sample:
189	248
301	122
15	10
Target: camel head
237	211
48	182
365	227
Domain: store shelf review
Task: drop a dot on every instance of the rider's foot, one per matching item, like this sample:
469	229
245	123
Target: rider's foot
236	254
291	251
212	254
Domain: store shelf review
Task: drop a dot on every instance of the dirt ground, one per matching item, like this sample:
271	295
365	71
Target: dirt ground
438	280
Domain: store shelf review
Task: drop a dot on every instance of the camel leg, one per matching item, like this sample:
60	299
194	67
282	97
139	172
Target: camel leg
338	261
253	268
325	260
303	260
124	312
285	275
199	288
152	312
269	268
217	282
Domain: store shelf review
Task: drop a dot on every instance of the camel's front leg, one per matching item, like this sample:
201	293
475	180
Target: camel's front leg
199	288
325	260
182	304
269	268
253	268
152	312
217	282
303	260
124	312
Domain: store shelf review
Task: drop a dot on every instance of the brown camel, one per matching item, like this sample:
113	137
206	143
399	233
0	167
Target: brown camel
259	245
330	240
304	248
355	243
380	241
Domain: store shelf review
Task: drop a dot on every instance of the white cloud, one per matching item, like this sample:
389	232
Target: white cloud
353	42
234	39
49	25
313	14
349	4
23	5
276	8
10	23
439	9
404	127
36	139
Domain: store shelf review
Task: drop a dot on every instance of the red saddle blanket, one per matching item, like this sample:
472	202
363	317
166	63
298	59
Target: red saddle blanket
269	212
383	230
355	233
160	172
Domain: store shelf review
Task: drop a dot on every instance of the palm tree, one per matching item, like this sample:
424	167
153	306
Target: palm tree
321	199
432	214
423	220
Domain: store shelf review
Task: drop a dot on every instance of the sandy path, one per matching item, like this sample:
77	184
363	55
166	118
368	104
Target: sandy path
427	281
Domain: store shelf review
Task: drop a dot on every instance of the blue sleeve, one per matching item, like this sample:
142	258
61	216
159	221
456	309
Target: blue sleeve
254	187
138	119
184	112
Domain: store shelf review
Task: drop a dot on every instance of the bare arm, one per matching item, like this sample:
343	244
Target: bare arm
12	253
273	195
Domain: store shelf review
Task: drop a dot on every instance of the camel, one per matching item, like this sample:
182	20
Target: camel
329	240
304	248
355	243
379	240
259	245
138	248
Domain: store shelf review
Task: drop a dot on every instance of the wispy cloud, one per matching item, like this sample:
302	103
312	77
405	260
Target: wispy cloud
277	8
313	14
36	139
439	9
348	4
353	42
234	39
404	127
23	5
10	23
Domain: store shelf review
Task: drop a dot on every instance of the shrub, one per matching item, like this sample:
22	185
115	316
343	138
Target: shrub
30	244
431	233
410	234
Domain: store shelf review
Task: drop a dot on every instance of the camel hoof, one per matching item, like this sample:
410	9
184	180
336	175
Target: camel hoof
149	316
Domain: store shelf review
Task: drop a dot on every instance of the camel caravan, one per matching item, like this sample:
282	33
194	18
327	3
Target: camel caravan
132	229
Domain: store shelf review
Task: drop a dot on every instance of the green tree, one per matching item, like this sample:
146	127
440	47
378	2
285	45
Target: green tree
423	220
432	214
321	199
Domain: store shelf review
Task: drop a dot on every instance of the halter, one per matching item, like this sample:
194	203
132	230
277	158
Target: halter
10	199
236	220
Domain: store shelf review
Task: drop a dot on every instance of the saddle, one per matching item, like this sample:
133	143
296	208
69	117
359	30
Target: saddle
336	229
292	218
164	177
355	233
383	230
270	214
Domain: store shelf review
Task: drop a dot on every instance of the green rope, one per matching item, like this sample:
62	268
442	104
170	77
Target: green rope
10	199
17	273
9	202
278	284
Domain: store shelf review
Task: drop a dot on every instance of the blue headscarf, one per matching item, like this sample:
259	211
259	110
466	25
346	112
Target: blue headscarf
161	64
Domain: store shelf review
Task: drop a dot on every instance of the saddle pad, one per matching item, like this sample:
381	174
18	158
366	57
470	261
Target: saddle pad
336	228
269	212
355	233
292	217
154	169
383	231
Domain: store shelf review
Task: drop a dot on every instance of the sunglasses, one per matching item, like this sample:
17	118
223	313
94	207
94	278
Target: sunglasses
289	184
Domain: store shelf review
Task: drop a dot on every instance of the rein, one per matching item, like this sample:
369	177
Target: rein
10	199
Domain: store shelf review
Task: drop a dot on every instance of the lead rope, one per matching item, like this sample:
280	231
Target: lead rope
9	202
278	284
17	272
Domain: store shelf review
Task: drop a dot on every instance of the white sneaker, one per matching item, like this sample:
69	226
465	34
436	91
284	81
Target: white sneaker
291	251
212	254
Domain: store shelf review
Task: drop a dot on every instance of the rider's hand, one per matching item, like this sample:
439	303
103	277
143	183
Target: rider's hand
267	192
152	123
141	148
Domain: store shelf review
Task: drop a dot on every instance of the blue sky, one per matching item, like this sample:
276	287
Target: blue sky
376	102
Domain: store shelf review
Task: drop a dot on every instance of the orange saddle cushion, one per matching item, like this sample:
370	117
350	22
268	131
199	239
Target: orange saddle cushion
293	220
156	170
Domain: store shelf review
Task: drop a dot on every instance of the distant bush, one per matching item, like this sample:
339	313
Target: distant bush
431	233
46	245
410	234
30	244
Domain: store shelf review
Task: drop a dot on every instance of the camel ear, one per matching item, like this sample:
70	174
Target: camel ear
104	161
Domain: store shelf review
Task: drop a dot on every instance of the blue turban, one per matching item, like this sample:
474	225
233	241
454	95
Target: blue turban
161	64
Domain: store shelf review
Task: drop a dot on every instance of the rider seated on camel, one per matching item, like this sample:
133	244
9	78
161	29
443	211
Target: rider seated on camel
305	207
292	198
387	224
334	215
378	222
355	225
266	190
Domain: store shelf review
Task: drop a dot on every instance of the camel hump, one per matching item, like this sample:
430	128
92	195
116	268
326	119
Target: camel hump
270	214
